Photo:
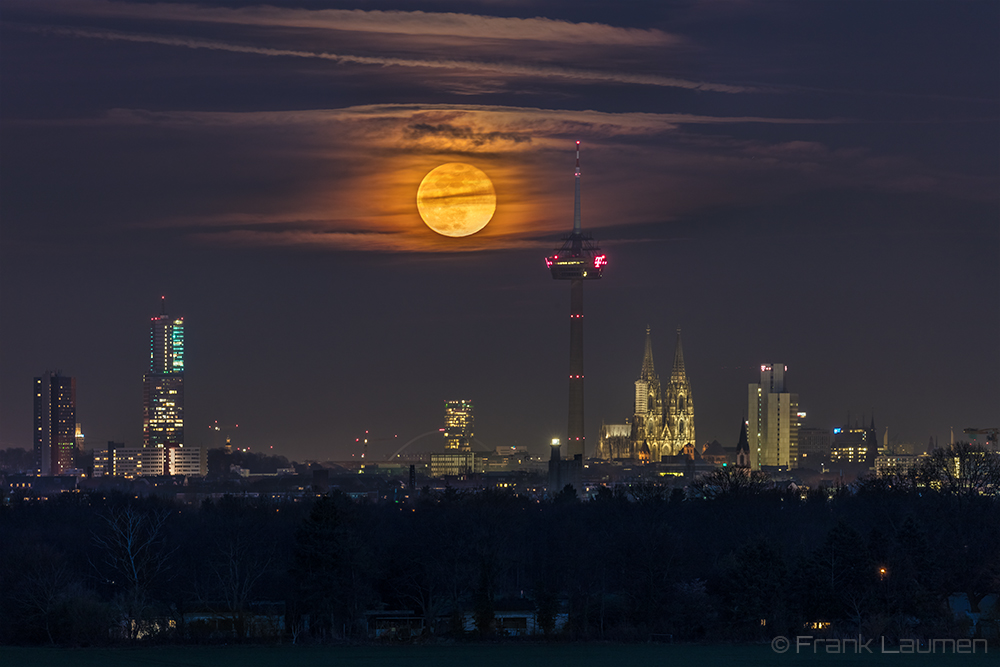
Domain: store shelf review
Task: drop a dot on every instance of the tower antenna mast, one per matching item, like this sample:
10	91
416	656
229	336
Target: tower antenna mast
577	228
577	260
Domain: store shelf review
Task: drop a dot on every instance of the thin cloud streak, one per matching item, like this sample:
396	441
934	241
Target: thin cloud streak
473	26
547	119
510	69
362	241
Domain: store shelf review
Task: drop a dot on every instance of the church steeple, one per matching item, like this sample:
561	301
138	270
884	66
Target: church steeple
743	448
678	374
871	443
648	371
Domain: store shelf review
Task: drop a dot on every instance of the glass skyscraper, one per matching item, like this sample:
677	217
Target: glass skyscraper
163	385
459	425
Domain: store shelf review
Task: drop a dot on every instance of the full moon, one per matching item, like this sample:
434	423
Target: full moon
456	199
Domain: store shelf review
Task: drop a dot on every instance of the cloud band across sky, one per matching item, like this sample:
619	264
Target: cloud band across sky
451	24
495	68
346	179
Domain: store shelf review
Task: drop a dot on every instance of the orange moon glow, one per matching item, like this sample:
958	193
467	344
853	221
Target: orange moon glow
456	199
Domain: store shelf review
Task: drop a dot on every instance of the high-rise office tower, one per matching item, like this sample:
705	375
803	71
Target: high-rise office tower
855	444
459	424
773	420
55	423
163	385
814	447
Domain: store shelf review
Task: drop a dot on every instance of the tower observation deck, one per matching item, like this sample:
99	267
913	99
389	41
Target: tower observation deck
577	260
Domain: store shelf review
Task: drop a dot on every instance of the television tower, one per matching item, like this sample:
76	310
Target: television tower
577	260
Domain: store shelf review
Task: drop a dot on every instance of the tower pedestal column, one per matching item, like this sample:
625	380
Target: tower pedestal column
576	444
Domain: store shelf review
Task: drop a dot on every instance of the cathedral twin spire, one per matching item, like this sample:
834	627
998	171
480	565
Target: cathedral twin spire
664	416
663	421
677	374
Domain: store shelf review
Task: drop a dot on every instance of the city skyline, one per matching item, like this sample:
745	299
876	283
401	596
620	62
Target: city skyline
803	183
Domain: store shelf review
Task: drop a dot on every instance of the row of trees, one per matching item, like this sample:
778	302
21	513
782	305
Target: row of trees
723	561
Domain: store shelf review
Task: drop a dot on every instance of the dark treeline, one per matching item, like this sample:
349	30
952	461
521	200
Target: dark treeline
17	459
717	562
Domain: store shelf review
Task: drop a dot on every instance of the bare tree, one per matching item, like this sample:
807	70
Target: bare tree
39	580
730	481
239	551
422	575
962	469
647	492
133	557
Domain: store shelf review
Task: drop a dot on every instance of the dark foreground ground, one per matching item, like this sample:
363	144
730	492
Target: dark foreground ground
475	655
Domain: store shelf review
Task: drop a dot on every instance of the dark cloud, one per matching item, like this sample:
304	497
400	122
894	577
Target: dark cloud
477	139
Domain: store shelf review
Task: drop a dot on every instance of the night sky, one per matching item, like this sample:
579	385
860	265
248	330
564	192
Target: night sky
810	183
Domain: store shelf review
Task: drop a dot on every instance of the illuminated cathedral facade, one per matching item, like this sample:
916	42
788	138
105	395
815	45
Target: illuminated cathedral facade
663	421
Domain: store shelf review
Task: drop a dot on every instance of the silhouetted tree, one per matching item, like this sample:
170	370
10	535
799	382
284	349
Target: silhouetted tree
17	460
317	559
837	581
36	580
133	556
238	551
335	565
730	481
752	585
962	470
566	495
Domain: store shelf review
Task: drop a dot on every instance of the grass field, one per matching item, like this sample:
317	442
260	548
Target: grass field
471	655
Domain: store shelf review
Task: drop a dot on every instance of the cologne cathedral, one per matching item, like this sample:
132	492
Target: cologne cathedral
663	423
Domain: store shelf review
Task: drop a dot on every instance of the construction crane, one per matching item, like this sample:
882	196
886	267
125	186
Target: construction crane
221	429
411	441
366	438
990	433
